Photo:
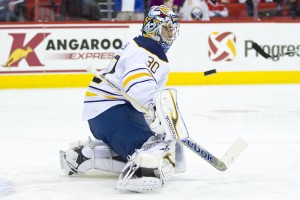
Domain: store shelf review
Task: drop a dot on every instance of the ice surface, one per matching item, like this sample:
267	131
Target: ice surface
36	123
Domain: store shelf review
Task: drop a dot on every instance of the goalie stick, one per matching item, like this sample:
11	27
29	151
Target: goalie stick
221	164
260	50
171	118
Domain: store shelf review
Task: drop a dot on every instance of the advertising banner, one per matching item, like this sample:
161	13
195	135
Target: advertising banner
56	49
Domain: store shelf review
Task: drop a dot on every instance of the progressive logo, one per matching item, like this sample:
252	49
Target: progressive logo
222	46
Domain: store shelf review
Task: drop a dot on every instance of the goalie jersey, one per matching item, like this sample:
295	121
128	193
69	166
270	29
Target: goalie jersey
140	68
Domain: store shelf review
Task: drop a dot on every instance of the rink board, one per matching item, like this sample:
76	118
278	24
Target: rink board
56	55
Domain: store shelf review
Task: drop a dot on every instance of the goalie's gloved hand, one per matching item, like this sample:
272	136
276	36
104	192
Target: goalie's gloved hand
153	120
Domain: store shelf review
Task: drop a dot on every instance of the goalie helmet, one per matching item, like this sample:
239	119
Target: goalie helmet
157	17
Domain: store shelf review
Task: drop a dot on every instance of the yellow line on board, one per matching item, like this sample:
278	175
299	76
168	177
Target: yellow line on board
45	80
175	78
223	78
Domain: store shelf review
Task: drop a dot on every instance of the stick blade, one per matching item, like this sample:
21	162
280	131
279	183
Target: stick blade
234	151
259	50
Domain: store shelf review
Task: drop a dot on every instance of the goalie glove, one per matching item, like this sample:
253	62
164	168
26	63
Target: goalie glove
153	121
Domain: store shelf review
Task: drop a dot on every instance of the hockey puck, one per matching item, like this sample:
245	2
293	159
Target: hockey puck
210	72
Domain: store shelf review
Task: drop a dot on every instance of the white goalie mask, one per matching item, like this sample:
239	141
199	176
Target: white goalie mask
158	18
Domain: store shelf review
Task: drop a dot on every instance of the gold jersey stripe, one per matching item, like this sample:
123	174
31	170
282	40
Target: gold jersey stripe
134	76
90	94
110	97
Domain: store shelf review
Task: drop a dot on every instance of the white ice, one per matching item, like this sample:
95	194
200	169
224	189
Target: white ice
36	123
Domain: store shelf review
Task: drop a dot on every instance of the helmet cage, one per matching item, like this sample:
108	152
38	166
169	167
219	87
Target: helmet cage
157	18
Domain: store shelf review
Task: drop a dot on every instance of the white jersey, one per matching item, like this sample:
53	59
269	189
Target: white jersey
194	10
140	67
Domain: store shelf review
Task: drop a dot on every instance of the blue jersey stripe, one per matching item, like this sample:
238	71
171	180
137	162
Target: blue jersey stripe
139	82
104	100
104	91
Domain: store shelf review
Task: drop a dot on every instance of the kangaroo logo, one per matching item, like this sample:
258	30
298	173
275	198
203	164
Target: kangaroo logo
18	55
222	46
21	50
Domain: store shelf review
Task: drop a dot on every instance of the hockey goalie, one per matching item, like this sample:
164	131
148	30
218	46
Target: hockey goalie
128	141
135	120
148	168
